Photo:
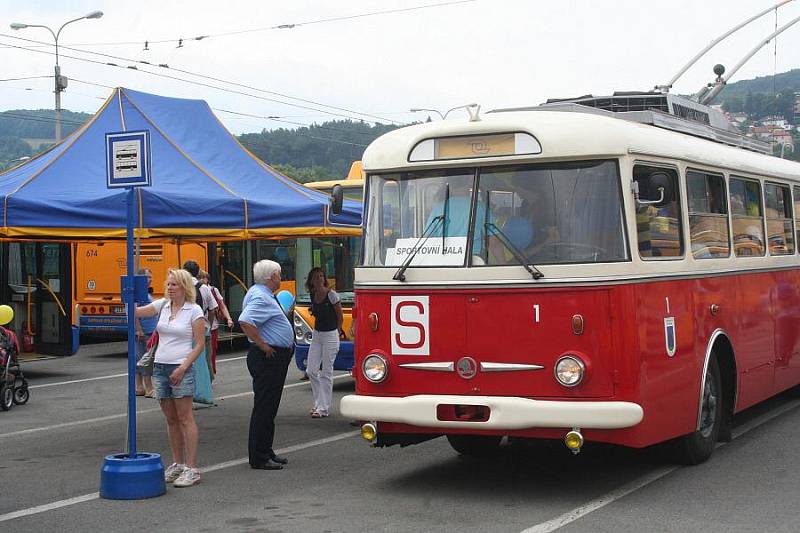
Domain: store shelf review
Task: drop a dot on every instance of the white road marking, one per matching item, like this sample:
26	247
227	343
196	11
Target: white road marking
138	412
287	450
219	466
43	385
111	376
621	492
49	506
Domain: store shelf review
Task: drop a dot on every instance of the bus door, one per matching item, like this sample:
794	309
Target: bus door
235	273
52	299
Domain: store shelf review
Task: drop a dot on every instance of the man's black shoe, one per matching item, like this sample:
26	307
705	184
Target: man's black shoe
280	460
268	465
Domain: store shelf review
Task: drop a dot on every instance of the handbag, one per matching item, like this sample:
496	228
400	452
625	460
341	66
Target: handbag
150	355
221	310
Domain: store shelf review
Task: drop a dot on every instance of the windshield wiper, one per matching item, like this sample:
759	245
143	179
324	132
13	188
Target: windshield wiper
446	208
400	274
518	255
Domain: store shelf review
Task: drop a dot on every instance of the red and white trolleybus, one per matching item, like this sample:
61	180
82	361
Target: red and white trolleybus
566	271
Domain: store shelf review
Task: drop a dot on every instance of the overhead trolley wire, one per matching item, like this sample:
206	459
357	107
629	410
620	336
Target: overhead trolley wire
202	76
284	26
25	78
283	119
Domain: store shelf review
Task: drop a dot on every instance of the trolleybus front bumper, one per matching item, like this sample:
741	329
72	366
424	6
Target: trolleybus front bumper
505	412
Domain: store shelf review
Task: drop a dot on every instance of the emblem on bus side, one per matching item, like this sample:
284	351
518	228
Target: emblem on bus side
467	367
669	335
410	321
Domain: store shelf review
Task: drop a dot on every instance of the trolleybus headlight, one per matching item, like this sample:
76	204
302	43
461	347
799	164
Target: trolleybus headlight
375	368
570	370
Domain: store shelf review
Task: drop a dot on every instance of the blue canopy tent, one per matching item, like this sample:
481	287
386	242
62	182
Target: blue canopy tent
205	184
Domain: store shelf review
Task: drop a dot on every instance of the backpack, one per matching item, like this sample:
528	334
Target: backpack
198	297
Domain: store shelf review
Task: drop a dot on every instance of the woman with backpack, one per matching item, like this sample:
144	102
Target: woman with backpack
221	314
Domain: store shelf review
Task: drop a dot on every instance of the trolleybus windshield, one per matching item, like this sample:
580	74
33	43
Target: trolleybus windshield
557	213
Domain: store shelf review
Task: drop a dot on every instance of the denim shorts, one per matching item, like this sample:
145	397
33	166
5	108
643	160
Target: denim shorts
165	389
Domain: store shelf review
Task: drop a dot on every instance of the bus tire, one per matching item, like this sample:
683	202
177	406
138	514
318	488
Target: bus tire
474	445
697	447
6	397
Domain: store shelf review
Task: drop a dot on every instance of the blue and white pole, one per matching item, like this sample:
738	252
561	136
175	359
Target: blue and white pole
132	475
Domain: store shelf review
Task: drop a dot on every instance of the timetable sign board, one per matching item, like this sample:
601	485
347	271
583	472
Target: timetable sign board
128	159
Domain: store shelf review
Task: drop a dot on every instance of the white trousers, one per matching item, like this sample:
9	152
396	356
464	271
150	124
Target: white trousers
321	354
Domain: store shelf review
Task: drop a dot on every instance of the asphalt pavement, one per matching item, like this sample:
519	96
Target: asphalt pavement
53	447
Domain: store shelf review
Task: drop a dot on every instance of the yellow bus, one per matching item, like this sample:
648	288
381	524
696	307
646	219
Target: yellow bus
337	256
97	266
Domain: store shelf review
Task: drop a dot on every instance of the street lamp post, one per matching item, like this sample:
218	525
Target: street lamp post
60	81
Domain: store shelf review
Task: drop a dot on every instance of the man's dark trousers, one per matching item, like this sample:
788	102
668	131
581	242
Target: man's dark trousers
269	374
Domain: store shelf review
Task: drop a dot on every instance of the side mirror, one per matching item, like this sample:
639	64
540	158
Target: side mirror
656	189
663	181
337	199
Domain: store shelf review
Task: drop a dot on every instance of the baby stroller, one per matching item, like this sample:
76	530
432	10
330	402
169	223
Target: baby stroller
13	385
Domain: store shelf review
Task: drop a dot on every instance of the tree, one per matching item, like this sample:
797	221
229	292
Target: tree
11	149
306	175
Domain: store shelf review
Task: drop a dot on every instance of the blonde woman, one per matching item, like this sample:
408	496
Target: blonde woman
181	339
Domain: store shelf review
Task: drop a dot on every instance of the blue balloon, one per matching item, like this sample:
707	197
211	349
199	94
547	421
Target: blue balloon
286	299
519	231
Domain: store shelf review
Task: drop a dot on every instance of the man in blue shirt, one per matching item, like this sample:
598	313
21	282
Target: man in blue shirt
272	338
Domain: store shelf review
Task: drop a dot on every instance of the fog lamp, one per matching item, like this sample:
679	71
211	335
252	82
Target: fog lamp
574	441
369	432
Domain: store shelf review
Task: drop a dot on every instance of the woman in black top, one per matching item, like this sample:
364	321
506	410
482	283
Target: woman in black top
327	311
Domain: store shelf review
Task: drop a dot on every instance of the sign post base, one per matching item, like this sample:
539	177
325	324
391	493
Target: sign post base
132	478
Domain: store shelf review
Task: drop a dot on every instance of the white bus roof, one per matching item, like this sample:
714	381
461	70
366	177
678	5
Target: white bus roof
571	135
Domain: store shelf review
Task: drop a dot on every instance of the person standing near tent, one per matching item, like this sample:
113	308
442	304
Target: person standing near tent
181	340
272	338
221	314
205	300
145	328
328	321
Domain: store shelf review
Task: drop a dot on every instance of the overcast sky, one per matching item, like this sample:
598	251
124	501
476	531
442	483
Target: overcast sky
498	53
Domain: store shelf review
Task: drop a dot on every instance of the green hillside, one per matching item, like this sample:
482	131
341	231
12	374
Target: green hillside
38	124
314	153
784	82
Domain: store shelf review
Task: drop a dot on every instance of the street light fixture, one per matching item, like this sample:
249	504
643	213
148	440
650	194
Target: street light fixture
443	115
8	164
418	109
60	81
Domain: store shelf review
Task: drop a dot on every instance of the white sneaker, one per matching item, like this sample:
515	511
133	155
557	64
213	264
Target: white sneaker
189	477
173	472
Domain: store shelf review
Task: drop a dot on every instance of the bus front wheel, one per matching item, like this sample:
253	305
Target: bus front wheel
697	447
475	445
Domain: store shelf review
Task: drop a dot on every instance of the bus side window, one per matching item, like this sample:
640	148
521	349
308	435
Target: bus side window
780	235
708	215
658	225
797	210
748	219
